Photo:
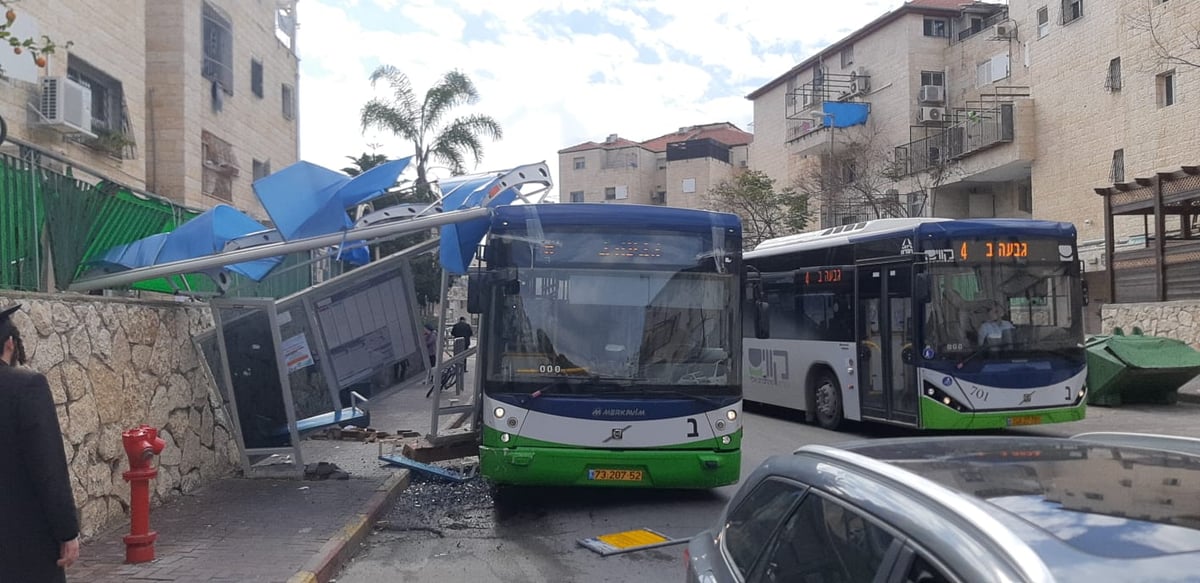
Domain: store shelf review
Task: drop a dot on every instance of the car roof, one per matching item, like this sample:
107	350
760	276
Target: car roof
1127	502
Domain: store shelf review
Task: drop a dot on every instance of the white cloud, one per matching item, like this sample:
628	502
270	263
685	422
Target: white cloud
550	86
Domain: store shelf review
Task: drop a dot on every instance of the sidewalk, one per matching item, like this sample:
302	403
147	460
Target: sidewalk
271	530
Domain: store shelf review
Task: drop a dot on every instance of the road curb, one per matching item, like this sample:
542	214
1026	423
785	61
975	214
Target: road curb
335	553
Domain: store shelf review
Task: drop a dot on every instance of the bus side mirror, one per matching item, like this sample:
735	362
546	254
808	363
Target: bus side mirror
762	320
475	292
921	288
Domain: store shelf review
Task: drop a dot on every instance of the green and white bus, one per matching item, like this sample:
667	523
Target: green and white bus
609	346
927	323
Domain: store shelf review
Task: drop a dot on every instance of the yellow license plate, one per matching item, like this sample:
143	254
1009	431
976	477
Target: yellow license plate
1025	420
616	475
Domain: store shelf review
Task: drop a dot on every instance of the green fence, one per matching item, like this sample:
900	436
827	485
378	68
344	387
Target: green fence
52	224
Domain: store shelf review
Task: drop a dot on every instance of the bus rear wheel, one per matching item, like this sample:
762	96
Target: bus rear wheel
828	397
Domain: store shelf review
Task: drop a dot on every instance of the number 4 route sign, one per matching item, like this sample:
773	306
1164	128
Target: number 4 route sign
629	541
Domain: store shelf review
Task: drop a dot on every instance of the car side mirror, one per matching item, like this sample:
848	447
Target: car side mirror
762	320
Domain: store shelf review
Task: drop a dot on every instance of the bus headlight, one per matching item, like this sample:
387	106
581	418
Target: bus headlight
505	437
731	415
499	412
725	440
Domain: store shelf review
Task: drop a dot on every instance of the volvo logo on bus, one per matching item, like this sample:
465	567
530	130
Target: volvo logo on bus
617	433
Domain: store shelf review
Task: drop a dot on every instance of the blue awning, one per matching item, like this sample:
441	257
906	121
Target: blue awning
843	114
306	200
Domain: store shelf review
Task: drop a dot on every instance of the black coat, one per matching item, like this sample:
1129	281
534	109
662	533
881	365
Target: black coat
461	330
37	509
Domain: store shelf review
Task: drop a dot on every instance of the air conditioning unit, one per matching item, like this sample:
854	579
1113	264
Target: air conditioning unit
1006	29
931	114
860	82
932	94
66	106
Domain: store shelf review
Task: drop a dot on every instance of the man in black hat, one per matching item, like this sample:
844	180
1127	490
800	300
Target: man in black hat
39	529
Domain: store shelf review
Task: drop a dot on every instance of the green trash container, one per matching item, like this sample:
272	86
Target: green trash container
1138	368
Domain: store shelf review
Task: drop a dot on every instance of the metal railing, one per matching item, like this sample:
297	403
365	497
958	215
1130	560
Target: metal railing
973	132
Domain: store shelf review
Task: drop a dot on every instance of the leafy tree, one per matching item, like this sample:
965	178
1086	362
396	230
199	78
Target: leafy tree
425	122
364	162
766	213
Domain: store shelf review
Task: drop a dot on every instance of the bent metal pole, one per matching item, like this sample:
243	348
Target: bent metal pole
200	264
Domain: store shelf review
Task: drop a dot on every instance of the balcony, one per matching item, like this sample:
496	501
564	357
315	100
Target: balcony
969	134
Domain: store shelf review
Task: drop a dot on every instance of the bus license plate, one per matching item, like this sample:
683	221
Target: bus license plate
615	475
1025	420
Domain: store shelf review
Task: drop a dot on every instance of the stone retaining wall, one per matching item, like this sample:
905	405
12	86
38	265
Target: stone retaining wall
113	364
1178	319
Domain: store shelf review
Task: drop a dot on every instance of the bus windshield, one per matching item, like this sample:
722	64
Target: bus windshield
613	329
1003	310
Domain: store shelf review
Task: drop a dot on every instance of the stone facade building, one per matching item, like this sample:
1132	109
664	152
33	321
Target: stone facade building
997	110
675	169
188	99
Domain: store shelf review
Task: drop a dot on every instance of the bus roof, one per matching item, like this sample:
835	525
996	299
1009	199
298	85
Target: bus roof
628	215
919	228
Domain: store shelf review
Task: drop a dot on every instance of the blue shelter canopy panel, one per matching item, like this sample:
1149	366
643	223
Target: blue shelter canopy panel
460	240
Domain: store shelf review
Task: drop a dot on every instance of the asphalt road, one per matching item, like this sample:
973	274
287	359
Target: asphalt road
439	532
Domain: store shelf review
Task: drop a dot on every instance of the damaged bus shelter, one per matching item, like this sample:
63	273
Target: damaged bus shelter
305	361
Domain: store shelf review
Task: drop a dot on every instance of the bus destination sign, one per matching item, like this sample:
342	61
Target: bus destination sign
820	276
1012	249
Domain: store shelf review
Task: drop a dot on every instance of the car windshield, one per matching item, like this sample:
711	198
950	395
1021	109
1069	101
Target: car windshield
1008	309
1108	501
614	329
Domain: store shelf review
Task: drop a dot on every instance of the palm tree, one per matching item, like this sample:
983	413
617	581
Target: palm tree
363	162
425	123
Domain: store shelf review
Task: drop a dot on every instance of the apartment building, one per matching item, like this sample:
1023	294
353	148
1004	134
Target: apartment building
188	99
674	169
989	110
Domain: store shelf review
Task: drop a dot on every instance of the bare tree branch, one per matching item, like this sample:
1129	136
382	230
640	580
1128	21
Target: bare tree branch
1166	53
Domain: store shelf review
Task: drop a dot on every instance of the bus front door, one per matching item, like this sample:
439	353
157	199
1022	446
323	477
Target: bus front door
885	321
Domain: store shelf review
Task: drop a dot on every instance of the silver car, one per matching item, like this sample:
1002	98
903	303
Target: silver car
1092	508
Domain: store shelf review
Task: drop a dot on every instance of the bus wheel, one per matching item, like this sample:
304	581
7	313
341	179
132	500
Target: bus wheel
829	401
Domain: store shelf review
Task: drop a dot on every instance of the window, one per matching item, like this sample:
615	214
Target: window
1072	10
218	48
580	163
849	171
220	167
825	541
1126	483
108	99
576	196
847	56
1117	174
688	185
933	78
1093	495
262	169
659	197
935	27
818	79
1025	198
610	193
1170	481
1166	89
992	70
750	525
1113	82
289	101
622	192
256	78
1043	21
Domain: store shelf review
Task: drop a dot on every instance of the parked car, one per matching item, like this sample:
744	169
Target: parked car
1094	508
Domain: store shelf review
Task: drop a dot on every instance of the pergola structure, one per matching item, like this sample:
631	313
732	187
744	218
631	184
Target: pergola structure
1168	267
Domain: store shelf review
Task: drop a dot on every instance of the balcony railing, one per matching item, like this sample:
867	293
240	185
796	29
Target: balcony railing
972	30
973	132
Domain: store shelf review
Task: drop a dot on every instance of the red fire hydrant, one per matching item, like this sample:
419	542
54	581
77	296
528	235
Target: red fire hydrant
141	445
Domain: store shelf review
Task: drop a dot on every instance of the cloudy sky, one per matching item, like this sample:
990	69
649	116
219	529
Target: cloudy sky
555	73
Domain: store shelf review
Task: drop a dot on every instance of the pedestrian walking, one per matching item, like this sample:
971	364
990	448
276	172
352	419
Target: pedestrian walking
462	333
463	330
39	527
430	343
